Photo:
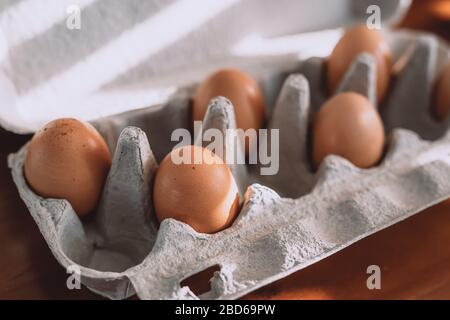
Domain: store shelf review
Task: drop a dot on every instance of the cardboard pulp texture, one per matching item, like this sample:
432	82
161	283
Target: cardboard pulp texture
288	221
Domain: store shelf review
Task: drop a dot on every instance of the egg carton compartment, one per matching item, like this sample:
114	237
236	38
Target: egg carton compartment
287	221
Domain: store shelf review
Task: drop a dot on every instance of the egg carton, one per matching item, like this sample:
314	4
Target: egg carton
287	221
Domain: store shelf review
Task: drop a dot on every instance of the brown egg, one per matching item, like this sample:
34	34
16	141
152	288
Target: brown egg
442	95
243	92
357	40
203	195
439	9
68	159
349	126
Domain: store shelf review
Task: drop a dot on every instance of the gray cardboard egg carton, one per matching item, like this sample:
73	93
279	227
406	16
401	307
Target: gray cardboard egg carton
287	222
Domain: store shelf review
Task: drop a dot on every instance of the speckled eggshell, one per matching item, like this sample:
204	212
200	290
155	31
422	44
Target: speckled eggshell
68	159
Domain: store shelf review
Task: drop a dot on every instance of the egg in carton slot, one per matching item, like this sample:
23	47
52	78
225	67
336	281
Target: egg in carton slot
287	221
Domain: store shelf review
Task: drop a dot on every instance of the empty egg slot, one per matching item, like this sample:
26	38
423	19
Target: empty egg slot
158	123
291	117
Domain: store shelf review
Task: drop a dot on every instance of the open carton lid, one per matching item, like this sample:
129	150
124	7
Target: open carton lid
131	54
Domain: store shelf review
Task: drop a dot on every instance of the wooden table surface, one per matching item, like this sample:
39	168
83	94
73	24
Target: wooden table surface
414	255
